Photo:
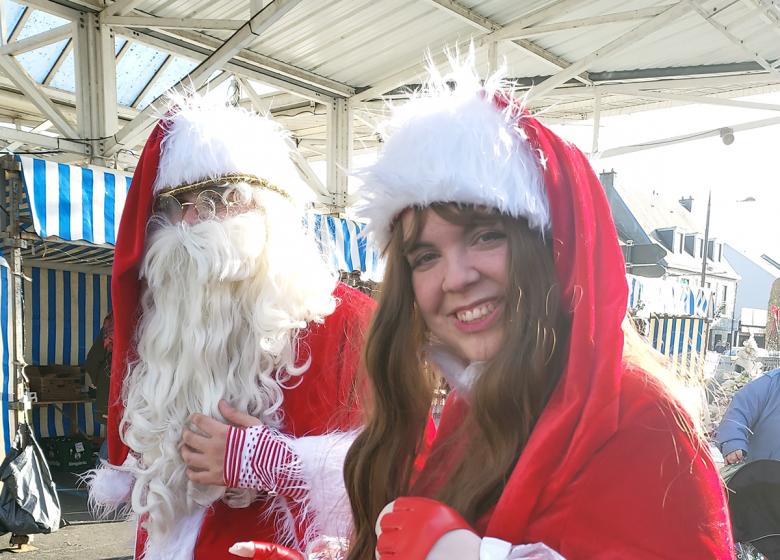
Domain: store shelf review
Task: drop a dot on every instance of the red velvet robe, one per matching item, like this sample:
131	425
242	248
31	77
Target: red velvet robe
651	492
323	401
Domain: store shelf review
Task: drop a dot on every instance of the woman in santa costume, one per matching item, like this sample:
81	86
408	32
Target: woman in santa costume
235	347
504	271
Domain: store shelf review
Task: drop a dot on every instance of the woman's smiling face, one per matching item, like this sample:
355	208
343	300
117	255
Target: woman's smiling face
459	277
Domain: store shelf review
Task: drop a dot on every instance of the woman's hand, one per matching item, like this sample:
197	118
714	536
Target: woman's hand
205	454
421	529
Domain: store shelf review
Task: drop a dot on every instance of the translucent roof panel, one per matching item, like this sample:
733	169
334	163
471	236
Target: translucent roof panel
65	78
13	12
119	42
177	70
39	62
135	70
39	22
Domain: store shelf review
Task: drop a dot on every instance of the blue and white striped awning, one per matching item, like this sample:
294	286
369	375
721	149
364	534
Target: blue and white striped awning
74	203
667	297
85	204
340	239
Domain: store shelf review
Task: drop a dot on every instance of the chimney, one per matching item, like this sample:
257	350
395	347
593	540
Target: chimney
687	203
607	179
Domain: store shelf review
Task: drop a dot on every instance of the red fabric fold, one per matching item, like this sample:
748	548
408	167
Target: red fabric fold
125	286
583	411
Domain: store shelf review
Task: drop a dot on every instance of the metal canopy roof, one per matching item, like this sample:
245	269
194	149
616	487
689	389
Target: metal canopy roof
322	67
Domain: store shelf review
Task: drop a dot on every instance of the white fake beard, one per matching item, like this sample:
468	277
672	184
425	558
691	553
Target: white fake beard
218	320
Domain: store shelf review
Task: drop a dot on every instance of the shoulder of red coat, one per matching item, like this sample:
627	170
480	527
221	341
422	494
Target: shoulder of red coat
641	393
351	302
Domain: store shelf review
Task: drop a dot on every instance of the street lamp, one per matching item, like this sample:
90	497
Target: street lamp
706	247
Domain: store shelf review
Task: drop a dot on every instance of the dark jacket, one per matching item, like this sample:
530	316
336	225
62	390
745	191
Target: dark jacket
98	366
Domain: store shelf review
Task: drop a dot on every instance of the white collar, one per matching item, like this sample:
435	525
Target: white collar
458	375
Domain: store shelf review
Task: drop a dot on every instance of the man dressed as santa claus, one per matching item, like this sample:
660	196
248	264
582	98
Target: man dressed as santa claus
235	348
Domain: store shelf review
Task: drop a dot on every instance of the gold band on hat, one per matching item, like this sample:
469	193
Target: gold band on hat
230	179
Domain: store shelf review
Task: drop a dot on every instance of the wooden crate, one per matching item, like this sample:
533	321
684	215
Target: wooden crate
55	383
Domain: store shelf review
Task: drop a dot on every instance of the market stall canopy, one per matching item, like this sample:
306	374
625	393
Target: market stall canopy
75	212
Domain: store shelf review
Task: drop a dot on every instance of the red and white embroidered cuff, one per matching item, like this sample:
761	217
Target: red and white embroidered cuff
261	459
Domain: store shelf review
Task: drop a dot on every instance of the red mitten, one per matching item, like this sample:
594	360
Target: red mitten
268	551
413	527
261	459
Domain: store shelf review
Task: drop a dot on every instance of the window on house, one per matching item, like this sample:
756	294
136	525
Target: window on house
682	241
725	294
720	252
701	248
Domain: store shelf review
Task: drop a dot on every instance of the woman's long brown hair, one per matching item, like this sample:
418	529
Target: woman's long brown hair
505	402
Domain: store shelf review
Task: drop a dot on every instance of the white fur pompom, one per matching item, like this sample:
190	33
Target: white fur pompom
109	489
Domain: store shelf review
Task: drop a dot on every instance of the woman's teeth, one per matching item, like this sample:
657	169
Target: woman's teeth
476	313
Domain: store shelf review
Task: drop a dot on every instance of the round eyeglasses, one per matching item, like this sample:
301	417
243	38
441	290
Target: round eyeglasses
210	204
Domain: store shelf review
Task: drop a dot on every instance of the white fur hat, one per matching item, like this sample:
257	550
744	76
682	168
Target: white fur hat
453	145
209	139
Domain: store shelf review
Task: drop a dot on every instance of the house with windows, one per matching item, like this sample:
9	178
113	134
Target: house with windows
757	274
643	219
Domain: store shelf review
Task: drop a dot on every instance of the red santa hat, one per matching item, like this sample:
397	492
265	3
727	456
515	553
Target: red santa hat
199	142
475	144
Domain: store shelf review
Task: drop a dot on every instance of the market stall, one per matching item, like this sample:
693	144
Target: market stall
60	223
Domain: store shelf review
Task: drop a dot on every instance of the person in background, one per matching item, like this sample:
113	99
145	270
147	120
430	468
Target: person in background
561	439
750	429
98	367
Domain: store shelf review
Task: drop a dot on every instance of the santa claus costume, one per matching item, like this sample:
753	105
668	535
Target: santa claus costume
235	304
611	466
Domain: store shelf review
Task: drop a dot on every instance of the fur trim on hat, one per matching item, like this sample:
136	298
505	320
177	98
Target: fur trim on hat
207	138
453	145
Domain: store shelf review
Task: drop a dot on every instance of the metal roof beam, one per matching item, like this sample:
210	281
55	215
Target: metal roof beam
20	25
37	41
489	26
122	51
119	8
14	71
150	84
198	54
466	15
58	63
53	8
557	9
704	99
622	42
280	68
45	125
738	42
173	23
264	19
687	138
632	15
546	56
42	140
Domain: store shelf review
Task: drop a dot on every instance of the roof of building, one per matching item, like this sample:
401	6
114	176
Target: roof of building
756	260
654	213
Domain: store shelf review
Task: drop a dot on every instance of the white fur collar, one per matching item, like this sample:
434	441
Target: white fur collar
457	374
